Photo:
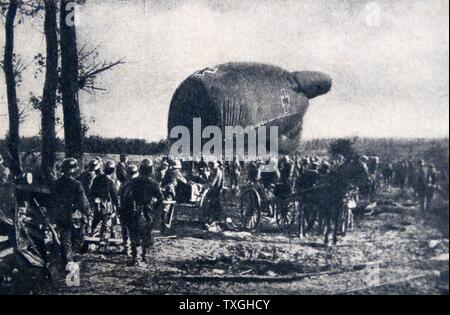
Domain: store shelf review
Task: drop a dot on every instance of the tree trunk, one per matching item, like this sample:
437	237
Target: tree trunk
49	95
73	132
13	141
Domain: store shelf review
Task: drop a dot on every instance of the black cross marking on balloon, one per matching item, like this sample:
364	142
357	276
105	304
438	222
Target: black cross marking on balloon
207	70
285	101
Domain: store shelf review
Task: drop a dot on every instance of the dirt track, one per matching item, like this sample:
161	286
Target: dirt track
391	251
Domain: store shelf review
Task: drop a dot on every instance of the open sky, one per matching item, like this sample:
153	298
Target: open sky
389	60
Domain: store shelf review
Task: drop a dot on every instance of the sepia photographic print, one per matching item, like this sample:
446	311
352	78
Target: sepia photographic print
224	148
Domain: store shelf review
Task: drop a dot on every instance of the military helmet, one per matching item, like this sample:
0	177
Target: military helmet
365	158
146	167
146	163
214	164
132	170
176	165
94	165
110	165
69	166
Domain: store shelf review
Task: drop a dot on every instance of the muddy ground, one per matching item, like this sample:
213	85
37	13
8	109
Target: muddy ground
391	250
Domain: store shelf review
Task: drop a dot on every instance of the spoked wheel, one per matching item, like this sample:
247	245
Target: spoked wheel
250	210
285	214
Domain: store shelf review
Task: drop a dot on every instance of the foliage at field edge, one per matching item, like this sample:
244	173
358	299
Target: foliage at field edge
433	150
96	144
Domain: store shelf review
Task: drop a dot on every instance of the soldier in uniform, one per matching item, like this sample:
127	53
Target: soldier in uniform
431	186
102	165
401	174
222	168
324	168
132	173
309	178
69	210
161	171
235	172
388	172
141	203
86	179
203	175
372	165
175	178
372	169
121	171
303	167
187	167
286	170
412	174
253	172
104	194
202	164
421	184
369	163
4	172
216	186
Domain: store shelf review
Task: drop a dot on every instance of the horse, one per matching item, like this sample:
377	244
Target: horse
329	193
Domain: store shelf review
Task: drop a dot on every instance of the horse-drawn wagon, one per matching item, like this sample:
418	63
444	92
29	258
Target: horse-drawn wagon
280	203
329	202
194	196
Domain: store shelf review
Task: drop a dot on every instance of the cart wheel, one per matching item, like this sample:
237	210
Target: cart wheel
250	210
285	215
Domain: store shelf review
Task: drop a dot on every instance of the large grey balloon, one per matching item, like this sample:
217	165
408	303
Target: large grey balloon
248	94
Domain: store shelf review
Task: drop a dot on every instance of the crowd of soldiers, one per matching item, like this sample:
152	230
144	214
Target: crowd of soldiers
105	192
92	202
413	173
100	196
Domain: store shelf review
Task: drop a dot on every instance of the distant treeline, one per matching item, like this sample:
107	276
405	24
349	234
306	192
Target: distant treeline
385	148
100	145
434	151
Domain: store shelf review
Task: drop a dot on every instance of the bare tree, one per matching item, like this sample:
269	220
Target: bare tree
48	105
79	71
90	68
73	132
13	141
